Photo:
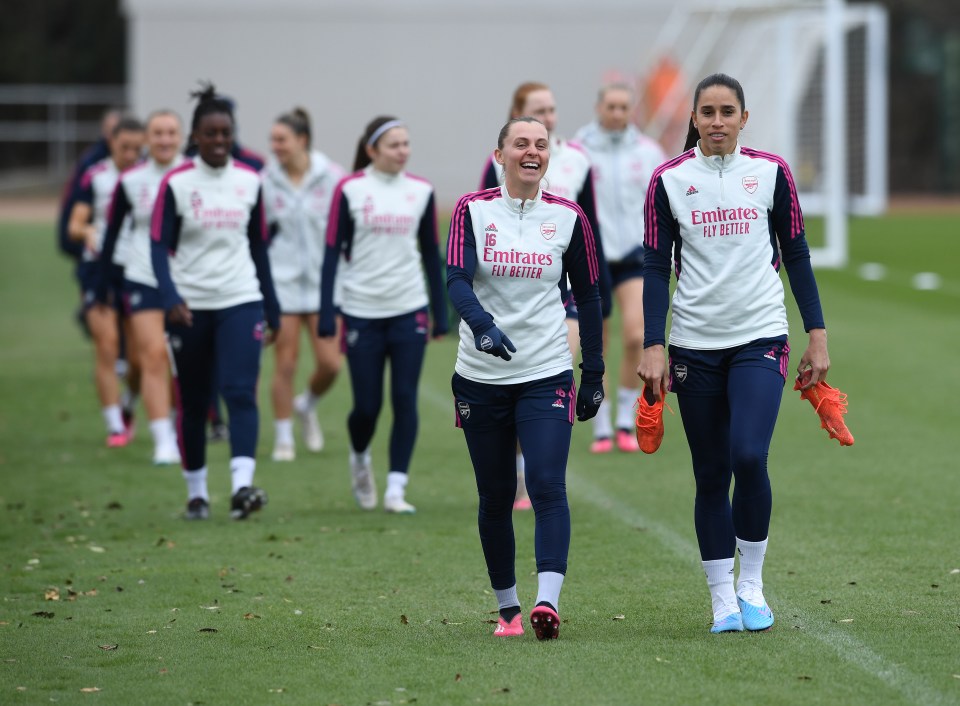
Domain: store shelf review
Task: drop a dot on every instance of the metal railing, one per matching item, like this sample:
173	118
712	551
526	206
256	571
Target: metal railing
61	129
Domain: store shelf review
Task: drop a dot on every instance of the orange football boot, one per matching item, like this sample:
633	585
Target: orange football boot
649	421
830	404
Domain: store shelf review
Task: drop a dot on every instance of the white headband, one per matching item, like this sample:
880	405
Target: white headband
378	133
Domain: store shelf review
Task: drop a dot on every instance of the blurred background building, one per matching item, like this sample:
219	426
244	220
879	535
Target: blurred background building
448	68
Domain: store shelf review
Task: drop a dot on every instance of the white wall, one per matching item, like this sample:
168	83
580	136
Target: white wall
447	68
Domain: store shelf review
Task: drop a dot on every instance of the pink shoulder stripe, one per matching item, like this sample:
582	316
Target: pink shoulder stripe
455	243
796	217
156	219
649	207
333	220
588	238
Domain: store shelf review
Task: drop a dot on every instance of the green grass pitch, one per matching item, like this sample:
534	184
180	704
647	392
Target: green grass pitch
315	602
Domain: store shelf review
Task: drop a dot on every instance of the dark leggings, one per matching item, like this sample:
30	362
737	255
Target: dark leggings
379	339
546	445
729	437
229	340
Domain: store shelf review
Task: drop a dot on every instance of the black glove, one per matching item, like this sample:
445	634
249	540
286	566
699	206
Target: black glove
590	395
495	342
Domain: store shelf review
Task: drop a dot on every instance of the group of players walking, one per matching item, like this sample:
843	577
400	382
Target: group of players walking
194	261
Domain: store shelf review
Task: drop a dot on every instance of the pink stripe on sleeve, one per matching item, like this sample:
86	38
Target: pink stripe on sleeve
156	218
588	238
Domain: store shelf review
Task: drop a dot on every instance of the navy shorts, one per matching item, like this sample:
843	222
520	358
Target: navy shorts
88	273
140	297
375	335
482	406
630	267
704	373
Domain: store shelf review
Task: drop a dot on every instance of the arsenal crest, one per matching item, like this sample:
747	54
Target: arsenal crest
680	372
750	183
548	230
464	409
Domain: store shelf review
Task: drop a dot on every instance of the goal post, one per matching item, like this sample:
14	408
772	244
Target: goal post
815	76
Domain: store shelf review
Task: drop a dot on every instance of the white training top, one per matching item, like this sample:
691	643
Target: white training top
297	217
96	189
623	163
717	217
140	186
211	267
379	217
519	250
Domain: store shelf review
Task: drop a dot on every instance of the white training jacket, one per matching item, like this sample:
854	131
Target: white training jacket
297	221
623	163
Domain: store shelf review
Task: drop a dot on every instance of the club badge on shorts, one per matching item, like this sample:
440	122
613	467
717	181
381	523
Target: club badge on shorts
680	372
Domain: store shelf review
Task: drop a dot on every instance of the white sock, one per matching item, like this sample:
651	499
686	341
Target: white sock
751	562
720	581
283	433
549	584
396	484
507	598
162	431
241	472
626	399
308	400
197	484
601	423
113	419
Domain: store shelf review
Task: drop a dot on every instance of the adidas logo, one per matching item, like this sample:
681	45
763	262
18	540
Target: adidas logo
491	229
692	190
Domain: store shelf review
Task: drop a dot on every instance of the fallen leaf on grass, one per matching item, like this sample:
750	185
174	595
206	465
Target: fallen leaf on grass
251	616
51	594
956	676
277	691
804	677
316	647
210	607
108	647
23	688
43	614
619	617
845	620
826	601
151	632
208	630
955	571
491	621
288	579
502	690
96	549
90	689
934	585
661	659
403	620
458	678
114	505
449	622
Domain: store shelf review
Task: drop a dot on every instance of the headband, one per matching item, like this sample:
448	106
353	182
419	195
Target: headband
378	133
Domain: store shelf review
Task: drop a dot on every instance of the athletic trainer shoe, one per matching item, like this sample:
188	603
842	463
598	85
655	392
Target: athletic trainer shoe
545	622
219	431
197	509
522	503
283	452
511	629
649	421
830	404
247	500
753	606
603	445
312	434
729	623
166	455
117	439
397	504
362	482
627	442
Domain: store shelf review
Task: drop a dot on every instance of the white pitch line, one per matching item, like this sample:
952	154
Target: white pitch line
847	647
909	685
